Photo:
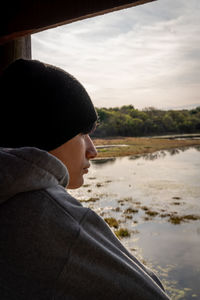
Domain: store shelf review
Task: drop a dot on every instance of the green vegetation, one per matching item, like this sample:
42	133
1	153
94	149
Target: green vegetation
131	210
122	232
112	222
151	213
128	121
178	219
89	200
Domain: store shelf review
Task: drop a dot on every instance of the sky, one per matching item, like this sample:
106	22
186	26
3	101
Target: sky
147	56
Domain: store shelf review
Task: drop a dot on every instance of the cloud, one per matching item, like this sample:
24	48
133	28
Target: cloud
145	56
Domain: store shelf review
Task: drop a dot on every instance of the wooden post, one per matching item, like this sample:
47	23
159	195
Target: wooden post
19	48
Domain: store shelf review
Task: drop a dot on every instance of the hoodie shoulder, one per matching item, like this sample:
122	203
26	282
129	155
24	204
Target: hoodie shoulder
28	169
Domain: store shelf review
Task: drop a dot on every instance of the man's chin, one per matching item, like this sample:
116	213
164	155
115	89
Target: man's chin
75	185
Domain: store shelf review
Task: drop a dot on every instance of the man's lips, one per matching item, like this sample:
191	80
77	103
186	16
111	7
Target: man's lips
85	169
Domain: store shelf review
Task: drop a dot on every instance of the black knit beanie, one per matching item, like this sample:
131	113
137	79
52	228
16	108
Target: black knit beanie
42	106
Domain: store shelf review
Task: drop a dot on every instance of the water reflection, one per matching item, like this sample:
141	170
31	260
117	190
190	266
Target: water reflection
109	160
150	156
147	156
197	148
163	153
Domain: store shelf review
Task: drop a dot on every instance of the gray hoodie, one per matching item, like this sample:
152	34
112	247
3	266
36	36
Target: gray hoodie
54	248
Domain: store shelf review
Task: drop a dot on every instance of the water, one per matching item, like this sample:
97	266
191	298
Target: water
162	194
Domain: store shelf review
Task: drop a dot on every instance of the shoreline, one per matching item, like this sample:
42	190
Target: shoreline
130	146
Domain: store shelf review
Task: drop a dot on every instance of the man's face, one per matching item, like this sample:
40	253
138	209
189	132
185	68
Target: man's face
75	154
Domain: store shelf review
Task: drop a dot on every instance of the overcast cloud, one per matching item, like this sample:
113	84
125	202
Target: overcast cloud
147	55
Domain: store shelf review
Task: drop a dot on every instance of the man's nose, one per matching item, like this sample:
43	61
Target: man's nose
91	151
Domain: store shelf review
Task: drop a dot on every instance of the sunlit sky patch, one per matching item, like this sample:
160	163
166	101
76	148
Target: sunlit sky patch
147	55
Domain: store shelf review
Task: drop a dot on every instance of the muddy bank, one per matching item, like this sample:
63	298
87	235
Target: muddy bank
117	147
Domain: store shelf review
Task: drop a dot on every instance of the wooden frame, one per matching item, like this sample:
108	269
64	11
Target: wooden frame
21	18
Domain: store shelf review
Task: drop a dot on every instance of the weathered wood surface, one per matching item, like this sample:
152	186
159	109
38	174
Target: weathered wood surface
20	18
19	48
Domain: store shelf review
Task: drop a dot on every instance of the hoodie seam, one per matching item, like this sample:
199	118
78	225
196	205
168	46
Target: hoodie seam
63	209
68	254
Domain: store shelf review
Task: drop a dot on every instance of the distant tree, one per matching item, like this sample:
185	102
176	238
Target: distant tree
126	108
186	126
148	127
103	114
128	121
169	123
195	110
138	127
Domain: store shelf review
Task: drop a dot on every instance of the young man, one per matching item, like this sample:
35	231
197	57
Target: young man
51	246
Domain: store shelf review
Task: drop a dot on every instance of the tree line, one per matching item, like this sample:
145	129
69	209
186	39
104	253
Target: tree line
129	121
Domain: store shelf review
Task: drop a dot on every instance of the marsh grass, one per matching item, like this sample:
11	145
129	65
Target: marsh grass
131	211
176	220
122	233
112	222
137	146
151	213
93	199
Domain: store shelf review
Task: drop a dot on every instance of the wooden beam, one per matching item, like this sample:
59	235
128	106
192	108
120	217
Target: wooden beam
27	17
19	48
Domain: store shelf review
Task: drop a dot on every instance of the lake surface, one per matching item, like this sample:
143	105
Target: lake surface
157	198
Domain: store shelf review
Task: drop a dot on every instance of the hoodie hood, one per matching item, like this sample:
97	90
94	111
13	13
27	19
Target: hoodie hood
28	169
